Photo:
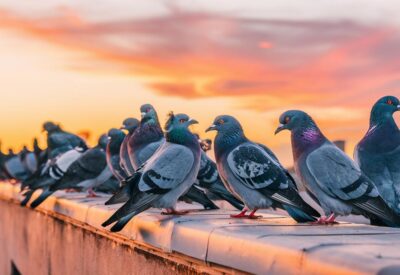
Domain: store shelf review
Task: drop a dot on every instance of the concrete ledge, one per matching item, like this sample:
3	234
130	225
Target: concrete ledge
210	242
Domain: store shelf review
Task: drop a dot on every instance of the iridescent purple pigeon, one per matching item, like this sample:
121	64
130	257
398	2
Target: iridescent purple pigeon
331	178
378	153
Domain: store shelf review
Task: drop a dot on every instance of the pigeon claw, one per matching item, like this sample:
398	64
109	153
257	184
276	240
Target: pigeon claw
92	194
325	220
242	215
252	216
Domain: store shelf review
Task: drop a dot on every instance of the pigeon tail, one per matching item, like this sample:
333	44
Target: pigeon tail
298	215
122	195
293	203
122	222
131	209
28	195
126	191
45	194
379	212
229	198
198	196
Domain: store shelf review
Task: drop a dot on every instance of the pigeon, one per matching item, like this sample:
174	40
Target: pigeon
165	177
115	139
60	141
209	180
252	174
330	177
29	160
129	124
50	174
194	194
15	168
146	139
378	153
89	171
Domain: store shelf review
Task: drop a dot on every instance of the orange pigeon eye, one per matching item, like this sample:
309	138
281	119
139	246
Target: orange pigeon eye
287	119
221	121
182	120
389	101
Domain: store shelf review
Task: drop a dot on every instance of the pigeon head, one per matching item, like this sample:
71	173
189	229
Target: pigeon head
176	128
225	124
50	127
229	134
178	121
130	124
102	142
148	113
294	120
383	109
115	134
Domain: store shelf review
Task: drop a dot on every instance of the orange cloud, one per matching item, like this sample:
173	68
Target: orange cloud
194	55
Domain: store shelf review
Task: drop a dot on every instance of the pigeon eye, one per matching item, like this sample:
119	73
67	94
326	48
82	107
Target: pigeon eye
182	120
221	121
389	101
287	119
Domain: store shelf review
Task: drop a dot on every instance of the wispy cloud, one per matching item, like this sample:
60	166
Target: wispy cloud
202	54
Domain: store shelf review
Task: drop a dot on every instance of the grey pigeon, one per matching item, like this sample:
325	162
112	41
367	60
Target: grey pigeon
378	153
53	171
15	168
254	175
89	171
146	139
60	141
331	178
115	139
129	124
165	177
194	194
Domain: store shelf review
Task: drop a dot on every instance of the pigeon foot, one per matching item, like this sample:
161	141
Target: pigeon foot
92	194
241	215
252	216
325	220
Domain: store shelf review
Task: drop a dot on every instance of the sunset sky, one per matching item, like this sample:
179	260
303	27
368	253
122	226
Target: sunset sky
90	64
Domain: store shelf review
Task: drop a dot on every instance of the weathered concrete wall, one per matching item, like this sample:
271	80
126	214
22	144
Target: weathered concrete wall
64	236
41	244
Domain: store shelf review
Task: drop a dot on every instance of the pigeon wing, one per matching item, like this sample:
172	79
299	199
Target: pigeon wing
255	168
336	174
168	168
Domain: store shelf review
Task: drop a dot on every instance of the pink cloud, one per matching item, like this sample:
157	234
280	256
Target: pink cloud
194	54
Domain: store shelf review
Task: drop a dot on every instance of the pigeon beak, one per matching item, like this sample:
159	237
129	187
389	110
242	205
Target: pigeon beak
398	107
280	128
192	121
211	128
143	114
122	127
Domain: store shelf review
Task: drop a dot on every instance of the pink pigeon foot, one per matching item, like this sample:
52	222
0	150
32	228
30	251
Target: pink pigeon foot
325	220
331	219
92	194
252	216
241	214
